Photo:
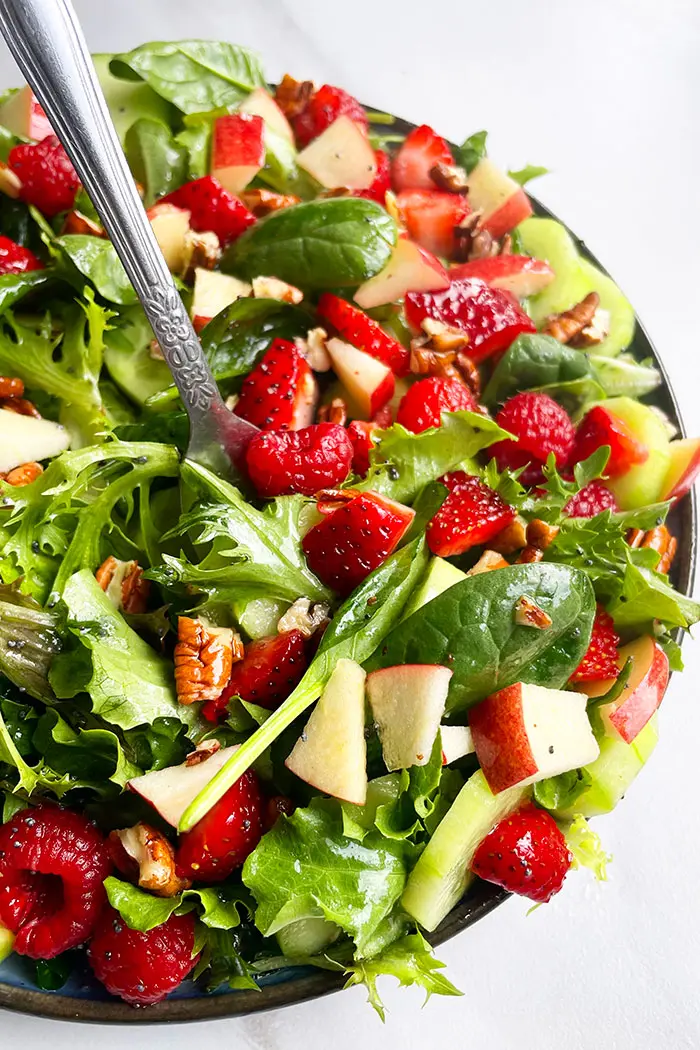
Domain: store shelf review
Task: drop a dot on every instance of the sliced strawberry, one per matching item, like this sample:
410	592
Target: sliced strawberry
600	660
280	393
430	216
381	183
220	842
14	258
424	402
518	274
360	433
324	107
354	539
592	499
471	515
421	150
282	462
540	427
490	318
48	178
212	208
267	674
357	328
600	427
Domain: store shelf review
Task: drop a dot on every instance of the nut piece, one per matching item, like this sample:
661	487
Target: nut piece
527	613
512	538
10	184
204	750
273	288
335	412
10	386
540	534
488	561
23	475
153	859
124	585
20	406
392	206
293	95
202	251
444	337
449	177
314	350
470	373
204	657
594	333
263	202
76	222
658	539
566	326
154	351
305	616
529	555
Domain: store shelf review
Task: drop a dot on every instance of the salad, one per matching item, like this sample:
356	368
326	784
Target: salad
421	641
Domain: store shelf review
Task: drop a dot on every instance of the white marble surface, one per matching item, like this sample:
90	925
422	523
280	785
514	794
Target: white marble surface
607	94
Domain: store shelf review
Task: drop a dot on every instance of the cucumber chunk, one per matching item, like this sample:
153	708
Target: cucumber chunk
548	240
307	937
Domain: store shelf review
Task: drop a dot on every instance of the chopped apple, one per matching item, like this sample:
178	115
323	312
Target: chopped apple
23	115
340	156
519	274
683	469
502	202
10	184
456	743
369	383
260	103
643	691
408	703
238	150
213	292
24	439
331	753
640	485
525	733
170	791
170	225
410	269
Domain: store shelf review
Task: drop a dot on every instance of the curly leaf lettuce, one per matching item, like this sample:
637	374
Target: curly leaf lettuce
28	640
218	907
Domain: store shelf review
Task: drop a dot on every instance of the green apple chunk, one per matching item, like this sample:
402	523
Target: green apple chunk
440	576
7	942
548	240
643	484
442	873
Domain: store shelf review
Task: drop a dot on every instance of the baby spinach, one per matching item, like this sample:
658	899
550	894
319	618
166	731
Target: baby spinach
197	143
528	173
97	259
472	150
471	629
540	362
339	242
156	158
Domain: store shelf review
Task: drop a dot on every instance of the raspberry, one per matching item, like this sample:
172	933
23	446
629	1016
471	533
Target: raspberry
422	404
592	499
324	107
540	427
600	659
471	515
14	258
56	912
381	183
142	968
221	841
282	462
525	853
48	178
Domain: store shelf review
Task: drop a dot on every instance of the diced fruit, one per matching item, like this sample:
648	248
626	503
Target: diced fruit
430	216
490	318
354	539
443	870
600	659
525	733
170	225
357	328
7	943
212	208
683	469
340	156
381	184
213	292
360	433
307	937
322	109
422	405
48	178
642	693
408	703
456	743
540	427
220	842
238	150
23	115
267	674
600	427
280	393
410	269
331	754
472	514
171	790
525	853
547	239
592	499
441	575
24	439
421	150
305	461
260	103
10	185
15	258
501	200
520	275
369	383
642	484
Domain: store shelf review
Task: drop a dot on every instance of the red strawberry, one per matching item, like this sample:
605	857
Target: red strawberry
266	675
142	968
14	258
600	660
324	107
48	178
525	853
471	515
490	317
357	328
360	433
600	427
282	462
422	149
280	392
221	841
212	208
276	807
422	404
540	426
592	499
354	539
381	182
52	915
430	216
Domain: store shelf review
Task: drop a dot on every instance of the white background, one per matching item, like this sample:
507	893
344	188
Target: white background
607	94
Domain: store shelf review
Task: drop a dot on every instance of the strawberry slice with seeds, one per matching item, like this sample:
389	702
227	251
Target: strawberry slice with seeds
360	433
600	659
491	318
323	108
471	515
422	405
600	427
381	183
49	180
220	842
282	462
15	258
518	274
271	668
281	391
592	499
430	216
212	207
422	149
361	331
354	539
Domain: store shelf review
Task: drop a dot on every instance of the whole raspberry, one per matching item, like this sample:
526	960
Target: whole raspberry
142	968
540	427
48	178
51	914
14	258
281	462
592	499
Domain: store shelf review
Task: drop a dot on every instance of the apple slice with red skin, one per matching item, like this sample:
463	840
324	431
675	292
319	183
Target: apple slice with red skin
369	382
410	269
518	274
238	150
643	692
170	791
683	469
340	156
24	116
456	743
502	202
170	225
260	103
213	292
407	704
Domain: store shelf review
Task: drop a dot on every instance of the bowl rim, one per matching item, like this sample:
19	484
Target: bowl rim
481	899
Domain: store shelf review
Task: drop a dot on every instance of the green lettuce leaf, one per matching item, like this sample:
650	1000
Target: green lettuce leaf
562	791
528	173
90	756
29	638
472	150
97	260
219	908
586	848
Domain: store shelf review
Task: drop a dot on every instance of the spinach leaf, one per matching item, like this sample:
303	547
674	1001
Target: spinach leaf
472	150
528	173
18	223
28	640
540	362
14	286
128	357
156	158
470	628
129	100
97	259
196	141
195	75
338	242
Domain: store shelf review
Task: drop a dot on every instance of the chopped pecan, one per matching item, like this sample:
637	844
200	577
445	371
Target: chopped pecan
469	372
506	246
204	750
10	184
488	561
594	333
314	349
10	386
76	222
512	538
659	539
540	534
449	177
425	361
231	402
124	585
20	406
527	613
305	616
202	251
204	657
293	95
566	326
443	337
262	202
530	554
24	475
273	288
334	412
392	206
152	859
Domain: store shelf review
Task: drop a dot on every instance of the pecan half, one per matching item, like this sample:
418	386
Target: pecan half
512	538
263	202
658	539
204	658
334	412
449	177
293	95
76	222
202	251
314	349
10	386
20	406
488	561
527	613
424	361
305	616
273	288
152	859
566	326
24	475
124	585
540	534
